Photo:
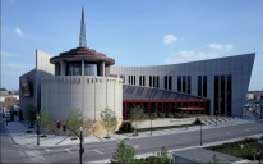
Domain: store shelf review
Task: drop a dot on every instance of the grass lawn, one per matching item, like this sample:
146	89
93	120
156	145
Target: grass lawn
251	149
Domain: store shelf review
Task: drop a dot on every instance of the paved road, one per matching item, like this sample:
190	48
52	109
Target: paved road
100	151
104	150
10	151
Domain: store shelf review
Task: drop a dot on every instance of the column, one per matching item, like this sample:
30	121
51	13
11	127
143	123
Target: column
62	68
103	68
82	67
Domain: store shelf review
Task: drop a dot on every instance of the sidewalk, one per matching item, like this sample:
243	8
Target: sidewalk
18	131
20	136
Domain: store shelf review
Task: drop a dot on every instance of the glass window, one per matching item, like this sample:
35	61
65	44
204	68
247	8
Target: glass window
179	84
170	82
199	84
150	81
90	70
204	86
184	84
74	69
165	82
189	84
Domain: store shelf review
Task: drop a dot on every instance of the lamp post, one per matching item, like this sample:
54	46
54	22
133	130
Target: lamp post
38	129
81	150
201	134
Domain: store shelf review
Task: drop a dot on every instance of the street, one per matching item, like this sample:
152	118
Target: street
103	150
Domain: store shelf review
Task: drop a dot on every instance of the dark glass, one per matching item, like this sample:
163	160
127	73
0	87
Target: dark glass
179	84
170	82
223	95
184	84
140	80
165	82
204	86
150	81
216	95
229	96
199	84
90	69
73	69
189	82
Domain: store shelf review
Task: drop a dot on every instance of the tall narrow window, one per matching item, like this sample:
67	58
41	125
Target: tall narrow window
140	80
150	81
223	95
158	81
204	86
199	84
184	84
228	95
170	82
179	88
165	82
189	84
216	96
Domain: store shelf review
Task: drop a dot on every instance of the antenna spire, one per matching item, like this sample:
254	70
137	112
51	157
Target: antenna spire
82	33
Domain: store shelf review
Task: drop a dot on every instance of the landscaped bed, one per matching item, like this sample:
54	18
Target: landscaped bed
251	149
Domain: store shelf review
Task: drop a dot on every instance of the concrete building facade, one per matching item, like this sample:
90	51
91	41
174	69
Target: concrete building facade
224	81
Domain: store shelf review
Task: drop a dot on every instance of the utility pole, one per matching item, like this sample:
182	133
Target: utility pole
38	129
201	134
81	150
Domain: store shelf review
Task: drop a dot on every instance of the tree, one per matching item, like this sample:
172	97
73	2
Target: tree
124	154
74	120
31	114
47	123
136	115
109	120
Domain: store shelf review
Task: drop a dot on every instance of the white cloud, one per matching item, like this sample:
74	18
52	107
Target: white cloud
169	39
19	32
221	47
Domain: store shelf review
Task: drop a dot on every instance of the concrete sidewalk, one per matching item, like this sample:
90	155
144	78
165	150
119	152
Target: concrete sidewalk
18	131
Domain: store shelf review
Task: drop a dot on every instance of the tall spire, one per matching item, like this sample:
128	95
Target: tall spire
82	33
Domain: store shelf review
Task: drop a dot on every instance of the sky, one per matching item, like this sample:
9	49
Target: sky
133	32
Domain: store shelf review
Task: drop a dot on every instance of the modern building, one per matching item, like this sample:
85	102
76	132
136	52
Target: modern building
86	80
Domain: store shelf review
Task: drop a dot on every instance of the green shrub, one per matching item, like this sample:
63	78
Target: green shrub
124	154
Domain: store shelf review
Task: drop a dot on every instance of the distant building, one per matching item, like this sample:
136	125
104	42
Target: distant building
30	82
8	100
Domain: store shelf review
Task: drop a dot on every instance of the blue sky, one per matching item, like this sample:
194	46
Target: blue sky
133	32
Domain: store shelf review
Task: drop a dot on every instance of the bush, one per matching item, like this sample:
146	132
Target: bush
124	154
197	121
126	127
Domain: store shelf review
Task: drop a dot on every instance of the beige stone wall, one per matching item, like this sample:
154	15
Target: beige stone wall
90	95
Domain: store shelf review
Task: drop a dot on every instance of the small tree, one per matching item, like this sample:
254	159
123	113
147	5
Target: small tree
124	154
74	120
136	115
47	123
109	120
31	114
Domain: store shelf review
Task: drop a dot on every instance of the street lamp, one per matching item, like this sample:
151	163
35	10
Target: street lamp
201	134
81	150
38	129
